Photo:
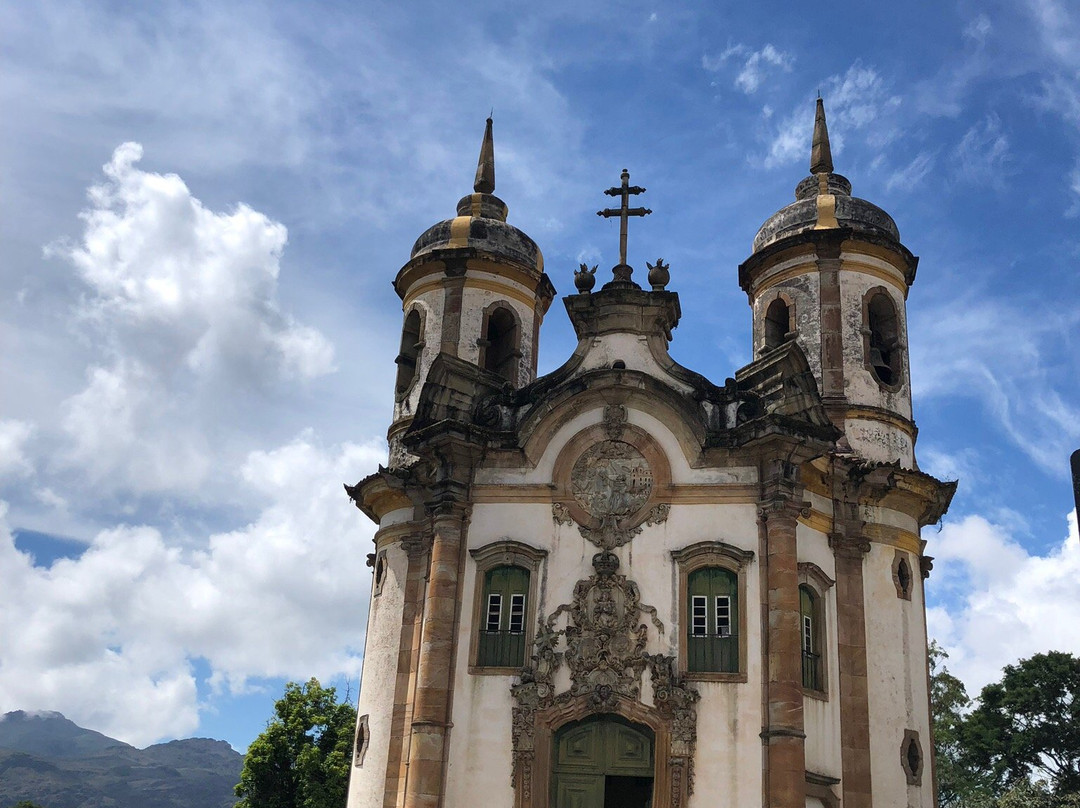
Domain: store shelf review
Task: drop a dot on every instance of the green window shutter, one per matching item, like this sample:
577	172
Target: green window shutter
712	637
502	631
810	627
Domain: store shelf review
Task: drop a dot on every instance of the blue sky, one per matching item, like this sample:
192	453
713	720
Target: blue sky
202	206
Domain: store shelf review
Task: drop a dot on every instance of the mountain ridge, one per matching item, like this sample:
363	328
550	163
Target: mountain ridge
50	760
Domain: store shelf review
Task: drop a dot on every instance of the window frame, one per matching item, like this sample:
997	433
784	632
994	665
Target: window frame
817	583
902	592
725	556
410	354
503	553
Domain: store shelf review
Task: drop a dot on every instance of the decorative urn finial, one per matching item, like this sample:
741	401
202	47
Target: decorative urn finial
585	278
659	276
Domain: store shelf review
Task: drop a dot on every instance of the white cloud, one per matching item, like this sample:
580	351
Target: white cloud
858	102
1002	602
181	307
978	29
108	638
982	156
909	177
996	358
1074	186
756	66
14	436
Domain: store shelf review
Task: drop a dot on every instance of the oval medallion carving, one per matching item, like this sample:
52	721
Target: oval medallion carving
611	478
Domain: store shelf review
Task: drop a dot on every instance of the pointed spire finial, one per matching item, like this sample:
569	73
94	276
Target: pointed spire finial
485	167
820	152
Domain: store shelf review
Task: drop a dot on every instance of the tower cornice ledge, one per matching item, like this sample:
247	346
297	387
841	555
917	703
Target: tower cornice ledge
380	493
832	240
907	490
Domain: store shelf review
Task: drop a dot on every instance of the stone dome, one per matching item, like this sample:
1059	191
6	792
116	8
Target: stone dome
481	224
834	208
823	200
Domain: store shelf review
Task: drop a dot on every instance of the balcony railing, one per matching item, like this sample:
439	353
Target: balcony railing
501	649
712	653
811	671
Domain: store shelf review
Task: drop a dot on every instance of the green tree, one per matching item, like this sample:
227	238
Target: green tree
958	785
301	759
1026	729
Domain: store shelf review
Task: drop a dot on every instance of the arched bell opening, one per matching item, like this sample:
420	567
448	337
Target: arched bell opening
500	345
883	348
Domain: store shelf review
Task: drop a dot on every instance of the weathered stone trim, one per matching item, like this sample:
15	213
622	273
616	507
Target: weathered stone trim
903	591
505	552
783	730
854	690
821	787
914	775
361	741
713	554
605	639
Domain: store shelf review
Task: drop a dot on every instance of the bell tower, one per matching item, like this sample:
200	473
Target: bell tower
830	273
474	288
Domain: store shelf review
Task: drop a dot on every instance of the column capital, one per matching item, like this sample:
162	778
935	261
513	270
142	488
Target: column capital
847	546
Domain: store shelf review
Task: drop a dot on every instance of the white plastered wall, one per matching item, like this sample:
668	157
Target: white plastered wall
377	687
896	668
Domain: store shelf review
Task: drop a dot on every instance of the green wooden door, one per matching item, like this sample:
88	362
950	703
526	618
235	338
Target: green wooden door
594	753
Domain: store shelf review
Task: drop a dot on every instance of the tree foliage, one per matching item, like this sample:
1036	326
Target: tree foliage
958	785
301	759
1019	746
1028	724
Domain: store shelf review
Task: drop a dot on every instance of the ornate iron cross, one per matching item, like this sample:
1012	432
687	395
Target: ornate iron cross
624	211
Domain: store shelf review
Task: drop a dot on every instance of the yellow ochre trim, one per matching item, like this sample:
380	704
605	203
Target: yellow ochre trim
826	212
459	231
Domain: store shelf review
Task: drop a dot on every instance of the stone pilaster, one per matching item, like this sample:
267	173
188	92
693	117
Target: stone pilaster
783	734
416	548
426	780
850	550
832	337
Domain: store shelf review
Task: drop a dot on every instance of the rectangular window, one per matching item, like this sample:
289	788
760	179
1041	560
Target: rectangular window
494	611
517	613
698	617
808	634
723	616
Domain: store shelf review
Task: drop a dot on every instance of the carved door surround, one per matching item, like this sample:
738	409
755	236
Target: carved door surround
603	644
610	479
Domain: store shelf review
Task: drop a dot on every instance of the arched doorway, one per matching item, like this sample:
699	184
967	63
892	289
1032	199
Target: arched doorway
603	762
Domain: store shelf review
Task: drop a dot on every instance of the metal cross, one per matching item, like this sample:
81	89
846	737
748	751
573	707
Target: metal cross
624	211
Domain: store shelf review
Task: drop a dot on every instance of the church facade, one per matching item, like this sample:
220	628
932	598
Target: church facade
623	584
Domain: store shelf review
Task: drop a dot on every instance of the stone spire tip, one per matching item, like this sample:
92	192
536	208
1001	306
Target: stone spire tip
485	167
820	151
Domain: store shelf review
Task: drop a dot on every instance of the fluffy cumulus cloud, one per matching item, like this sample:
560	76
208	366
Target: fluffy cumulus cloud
109	638
181	305
753	66
999	601
858	103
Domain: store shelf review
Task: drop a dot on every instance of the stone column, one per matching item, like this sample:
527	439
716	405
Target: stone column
426	781
783	734
416	548
850	551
